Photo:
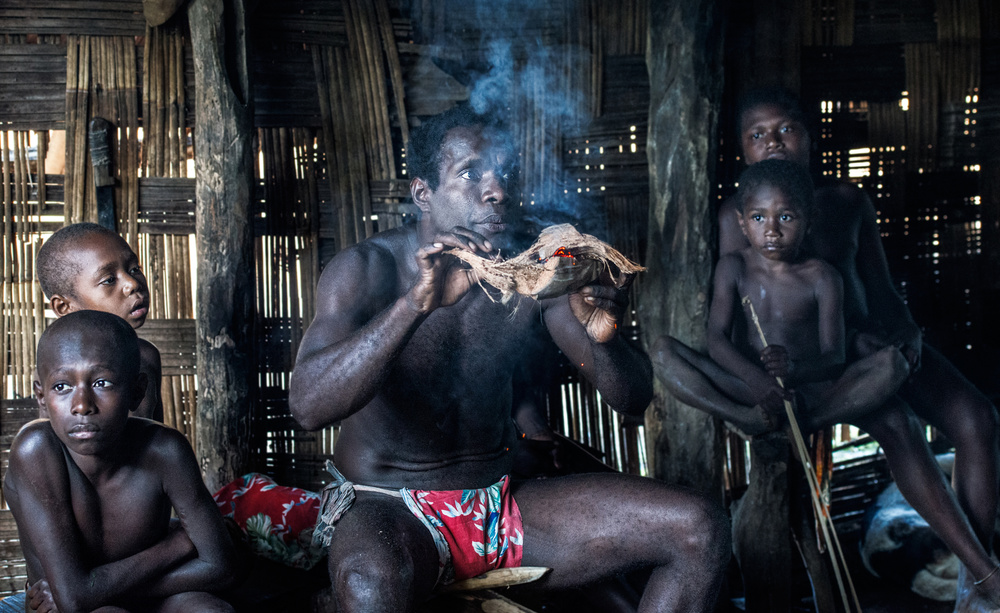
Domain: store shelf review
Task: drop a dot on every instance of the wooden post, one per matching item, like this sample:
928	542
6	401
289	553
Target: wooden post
224	173
684	59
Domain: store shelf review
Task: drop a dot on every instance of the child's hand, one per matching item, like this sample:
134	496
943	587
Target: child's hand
40	598
776	361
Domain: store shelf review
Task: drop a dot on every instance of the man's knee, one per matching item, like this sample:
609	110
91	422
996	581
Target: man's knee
705	531
376	582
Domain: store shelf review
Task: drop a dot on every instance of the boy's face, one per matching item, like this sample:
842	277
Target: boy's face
478	178
767	131
109	280
773	223
87	390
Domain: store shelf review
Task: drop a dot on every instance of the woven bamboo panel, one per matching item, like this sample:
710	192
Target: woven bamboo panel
166	205
33	86
90	17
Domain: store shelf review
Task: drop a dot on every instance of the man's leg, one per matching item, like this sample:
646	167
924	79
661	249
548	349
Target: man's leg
382	559
590	527
864	386
696	380
922	483
946	399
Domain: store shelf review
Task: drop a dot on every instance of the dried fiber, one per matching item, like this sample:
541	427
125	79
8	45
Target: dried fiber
560	261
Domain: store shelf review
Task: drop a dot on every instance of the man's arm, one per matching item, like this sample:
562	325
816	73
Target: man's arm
37	487
213	566
731	238
885	306
584	325
363	321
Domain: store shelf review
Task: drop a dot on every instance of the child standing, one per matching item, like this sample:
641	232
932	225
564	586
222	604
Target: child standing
85	266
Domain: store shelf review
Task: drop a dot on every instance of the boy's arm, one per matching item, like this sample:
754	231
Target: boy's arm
151	406
213	566
37	487
725	307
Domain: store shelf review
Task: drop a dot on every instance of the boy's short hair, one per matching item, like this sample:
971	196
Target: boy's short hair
791	178
56	272
120	334
423	156
780	97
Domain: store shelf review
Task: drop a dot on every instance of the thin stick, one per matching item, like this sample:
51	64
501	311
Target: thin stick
825	522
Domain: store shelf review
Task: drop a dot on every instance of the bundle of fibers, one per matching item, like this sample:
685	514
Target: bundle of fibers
559	262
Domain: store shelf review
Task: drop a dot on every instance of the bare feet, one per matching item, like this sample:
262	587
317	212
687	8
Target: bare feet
982	598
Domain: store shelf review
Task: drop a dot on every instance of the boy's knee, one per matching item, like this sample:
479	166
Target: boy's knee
894	364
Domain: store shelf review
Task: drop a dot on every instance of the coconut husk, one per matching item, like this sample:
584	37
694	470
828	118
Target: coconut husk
561	261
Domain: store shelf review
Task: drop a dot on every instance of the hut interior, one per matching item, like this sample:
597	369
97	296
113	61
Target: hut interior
906	95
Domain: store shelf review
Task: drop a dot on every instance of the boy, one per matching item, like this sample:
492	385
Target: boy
845	233
799	302
86	266
91	489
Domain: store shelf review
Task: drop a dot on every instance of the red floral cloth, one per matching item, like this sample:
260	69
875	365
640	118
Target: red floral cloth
278	520
481	528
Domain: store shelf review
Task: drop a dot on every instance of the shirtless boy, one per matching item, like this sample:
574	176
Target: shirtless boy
85	266
844	232
799	303
416	362
91	489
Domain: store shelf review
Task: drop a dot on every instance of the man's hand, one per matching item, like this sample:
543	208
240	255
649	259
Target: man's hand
599	307
40	599
776	361
442	279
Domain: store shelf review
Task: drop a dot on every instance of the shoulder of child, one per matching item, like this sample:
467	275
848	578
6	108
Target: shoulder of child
36	450
35	437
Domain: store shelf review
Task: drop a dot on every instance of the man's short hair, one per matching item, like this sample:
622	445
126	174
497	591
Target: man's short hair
777	96
423	157
118	332
791	178
56	272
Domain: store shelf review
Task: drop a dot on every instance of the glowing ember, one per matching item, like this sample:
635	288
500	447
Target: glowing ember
561	252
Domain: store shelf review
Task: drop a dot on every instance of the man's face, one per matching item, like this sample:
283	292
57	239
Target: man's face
109	280
773	224
87	390
767	131
477	183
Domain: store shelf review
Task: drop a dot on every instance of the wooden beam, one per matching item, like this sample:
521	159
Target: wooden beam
685	73
224	179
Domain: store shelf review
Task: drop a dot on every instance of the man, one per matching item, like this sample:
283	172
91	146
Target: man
845	234
416	363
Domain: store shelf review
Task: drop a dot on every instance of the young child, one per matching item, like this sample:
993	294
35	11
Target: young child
799	301
91	489
86	266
